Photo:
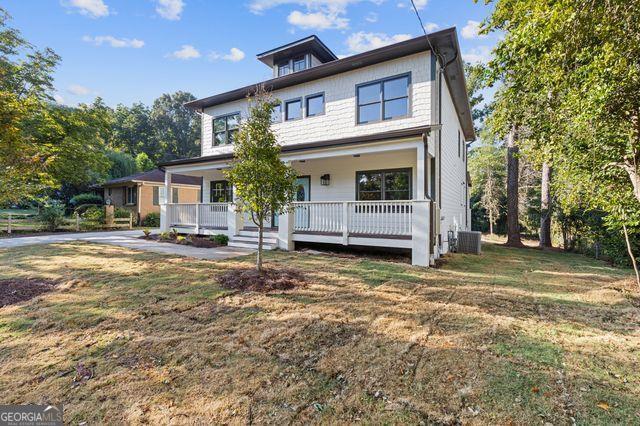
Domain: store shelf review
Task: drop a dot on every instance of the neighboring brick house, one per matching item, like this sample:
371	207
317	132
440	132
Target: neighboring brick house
143	193
378	140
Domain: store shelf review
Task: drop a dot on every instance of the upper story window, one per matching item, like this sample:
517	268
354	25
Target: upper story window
293	110
383	99
225	129
299	64
284	68
276	114
314	105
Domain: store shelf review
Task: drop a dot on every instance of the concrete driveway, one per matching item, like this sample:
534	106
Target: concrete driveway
128	239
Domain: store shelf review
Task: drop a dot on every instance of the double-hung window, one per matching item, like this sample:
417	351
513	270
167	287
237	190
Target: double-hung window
284	68
378	185
132	194
225	129
383	100
299	64
221	192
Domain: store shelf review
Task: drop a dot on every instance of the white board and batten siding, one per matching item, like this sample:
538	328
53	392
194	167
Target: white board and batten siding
339	119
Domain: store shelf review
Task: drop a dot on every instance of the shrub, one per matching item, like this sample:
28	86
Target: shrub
152	220
221	239
173	234
85	198
51	216
181	239
121	214
94	214
164	236
84	207
146	232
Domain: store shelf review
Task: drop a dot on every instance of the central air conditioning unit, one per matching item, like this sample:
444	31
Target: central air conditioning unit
469	242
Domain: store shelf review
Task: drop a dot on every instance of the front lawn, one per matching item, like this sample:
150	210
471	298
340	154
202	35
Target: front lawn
515	336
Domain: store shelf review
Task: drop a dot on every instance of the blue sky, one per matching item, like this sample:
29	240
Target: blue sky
134	50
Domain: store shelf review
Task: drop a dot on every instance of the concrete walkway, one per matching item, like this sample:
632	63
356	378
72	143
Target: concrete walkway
128	239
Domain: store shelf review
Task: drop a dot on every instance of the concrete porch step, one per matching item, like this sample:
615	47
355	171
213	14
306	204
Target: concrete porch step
251	233
251	239
251	245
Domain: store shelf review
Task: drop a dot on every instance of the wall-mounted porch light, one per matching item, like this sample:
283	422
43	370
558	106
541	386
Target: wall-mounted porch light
325	180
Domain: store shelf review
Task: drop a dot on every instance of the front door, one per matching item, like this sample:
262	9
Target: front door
303	193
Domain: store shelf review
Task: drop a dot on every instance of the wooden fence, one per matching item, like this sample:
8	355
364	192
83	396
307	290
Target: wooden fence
24	222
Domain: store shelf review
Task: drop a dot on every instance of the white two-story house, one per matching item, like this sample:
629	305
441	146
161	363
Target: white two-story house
378	140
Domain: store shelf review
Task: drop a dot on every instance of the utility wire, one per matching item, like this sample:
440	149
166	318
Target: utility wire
415	9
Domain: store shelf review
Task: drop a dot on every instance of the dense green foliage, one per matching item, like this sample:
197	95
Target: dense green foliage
51	215
85	198
570	75
152	220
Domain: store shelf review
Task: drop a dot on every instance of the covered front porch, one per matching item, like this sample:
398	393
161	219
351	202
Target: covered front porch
374	194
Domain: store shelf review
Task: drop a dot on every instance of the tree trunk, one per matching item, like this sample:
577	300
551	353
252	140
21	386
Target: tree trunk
490	222
633	258
259	255
513	225
545	207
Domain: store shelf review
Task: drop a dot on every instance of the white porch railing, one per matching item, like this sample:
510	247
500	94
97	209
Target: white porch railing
374	218
198	215
213	215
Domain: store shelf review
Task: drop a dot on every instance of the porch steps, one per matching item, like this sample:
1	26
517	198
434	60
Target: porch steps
249	239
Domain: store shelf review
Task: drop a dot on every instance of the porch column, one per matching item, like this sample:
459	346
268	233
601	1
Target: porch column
234	218
420	233
164	207
421	173
285	231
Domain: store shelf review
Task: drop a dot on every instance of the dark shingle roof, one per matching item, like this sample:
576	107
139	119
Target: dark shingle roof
155	176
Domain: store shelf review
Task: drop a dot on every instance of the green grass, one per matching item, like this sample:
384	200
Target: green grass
514	336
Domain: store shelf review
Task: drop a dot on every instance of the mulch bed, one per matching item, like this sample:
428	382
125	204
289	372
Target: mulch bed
249	279
16	290
201	242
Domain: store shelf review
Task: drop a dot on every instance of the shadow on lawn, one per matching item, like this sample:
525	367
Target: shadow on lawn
367	341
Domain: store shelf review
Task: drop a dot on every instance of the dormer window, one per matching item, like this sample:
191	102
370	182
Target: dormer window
300	63
284	68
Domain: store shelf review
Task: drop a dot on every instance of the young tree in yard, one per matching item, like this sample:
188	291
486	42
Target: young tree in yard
263	184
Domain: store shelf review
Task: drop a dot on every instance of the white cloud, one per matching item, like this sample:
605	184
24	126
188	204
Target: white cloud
371	17
185	52
319	14
91	8
58	98
113	41
420	4
317	20
170	9
259	6
471	30
476	55
362	41
234	55
78	90
431	27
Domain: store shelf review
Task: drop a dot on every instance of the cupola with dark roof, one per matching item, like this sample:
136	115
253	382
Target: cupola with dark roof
297	56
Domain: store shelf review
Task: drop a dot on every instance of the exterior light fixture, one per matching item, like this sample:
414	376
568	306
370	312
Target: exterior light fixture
325	180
